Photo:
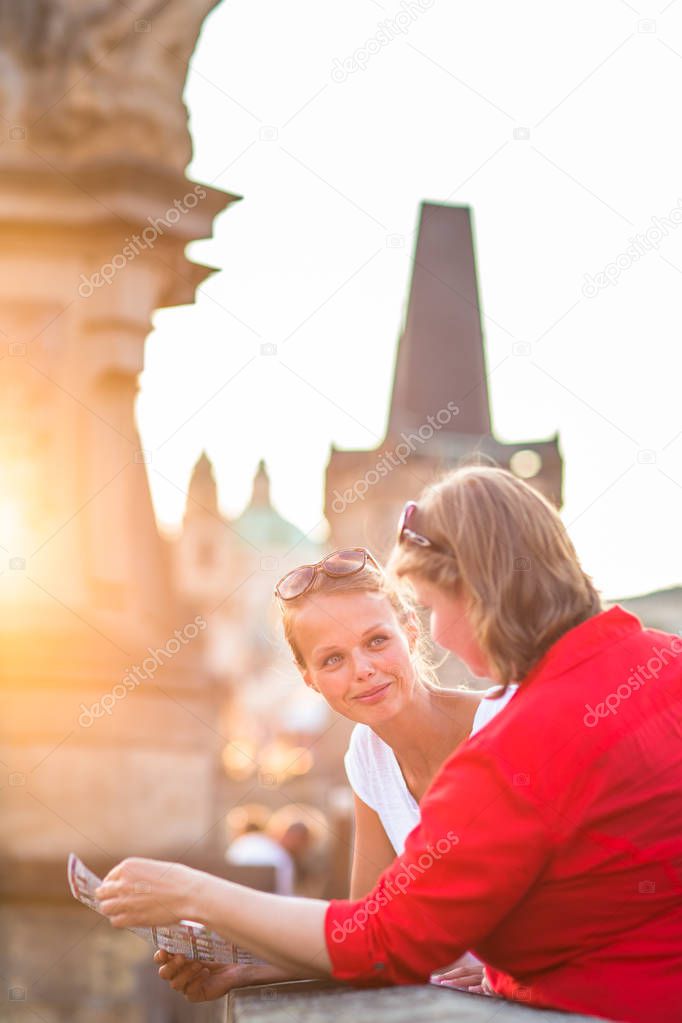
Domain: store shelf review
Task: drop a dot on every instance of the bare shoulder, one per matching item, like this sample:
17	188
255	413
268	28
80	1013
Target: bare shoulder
460	703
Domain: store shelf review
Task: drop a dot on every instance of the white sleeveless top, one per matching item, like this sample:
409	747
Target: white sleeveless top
375	776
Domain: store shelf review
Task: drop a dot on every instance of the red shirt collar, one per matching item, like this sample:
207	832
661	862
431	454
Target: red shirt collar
582	641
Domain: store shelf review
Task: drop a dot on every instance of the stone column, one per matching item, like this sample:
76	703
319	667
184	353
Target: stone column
108	744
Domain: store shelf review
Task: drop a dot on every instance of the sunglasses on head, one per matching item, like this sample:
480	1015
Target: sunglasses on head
409	535
339	564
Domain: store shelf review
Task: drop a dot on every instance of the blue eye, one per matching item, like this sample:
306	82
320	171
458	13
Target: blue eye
333	659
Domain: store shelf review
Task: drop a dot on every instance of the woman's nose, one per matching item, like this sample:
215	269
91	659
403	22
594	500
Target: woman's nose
364	667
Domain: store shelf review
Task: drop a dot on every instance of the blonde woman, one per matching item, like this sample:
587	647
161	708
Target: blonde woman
358	642
549	842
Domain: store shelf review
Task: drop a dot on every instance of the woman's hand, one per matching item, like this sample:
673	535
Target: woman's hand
466	973
147	893
201	982
485	988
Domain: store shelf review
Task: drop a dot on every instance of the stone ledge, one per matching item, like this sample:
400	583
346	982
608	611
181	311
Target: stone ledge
320	1001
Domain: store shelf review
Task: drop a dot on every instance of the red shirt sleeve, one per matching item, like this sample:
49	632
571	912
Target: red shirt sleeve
480	845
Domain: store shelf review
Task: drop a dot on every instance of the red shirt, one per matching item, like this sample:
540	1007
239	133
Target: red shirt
550	843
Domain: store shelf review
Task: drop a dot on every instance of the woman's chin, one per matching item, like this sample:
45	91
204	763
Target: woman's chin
478	669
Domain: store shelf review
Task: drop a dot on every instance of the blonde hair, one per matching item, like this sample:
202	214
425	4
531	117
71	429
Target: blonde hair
369	580
509	555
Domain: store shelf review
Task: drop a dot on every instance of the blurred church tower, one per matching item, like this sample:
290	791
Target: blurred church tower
220	569
440	409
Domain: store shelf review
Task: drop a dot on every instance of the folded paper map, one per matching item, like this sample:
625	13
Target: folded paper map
192	940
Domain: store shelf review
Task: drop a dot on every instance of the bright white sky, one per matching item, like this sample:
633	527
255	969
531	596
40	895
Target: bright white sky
331	170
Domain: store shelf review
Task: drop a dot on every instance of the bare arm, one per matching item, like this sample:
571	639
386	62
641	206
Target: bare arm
372	850
287	932
372	853
290	932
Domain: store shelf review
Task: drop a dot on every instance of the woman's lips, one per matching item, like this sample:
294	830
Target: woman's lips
373	694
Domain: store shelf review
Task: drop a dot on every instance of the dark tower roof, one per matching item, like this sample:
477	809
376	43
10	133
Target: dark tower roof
440	356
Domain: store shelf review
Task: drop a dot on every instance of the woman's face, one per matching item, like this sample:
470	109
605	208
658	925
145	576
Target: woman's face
356	654
451	627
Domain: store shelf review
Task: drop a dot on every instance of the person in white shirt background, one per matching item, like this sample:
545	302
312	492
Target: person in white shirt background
280	846
357	640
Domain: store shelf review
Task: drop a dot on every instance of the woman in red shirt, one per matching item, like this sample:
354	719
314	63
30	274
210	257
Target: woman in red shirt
550	843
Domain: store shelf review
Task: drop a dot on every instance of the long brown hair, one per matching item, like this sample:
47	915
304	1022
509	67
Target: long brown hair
370	580
508	554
